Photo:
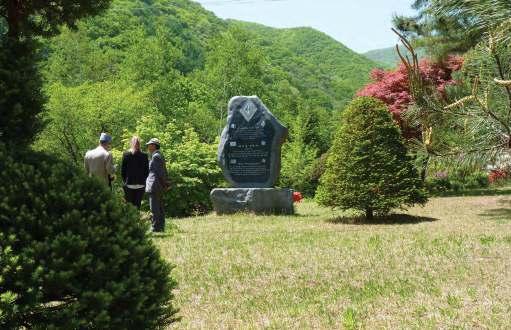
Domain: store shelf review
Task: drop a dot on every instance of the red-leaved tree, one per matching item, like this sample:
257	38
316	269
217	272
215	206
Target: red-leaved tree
393	88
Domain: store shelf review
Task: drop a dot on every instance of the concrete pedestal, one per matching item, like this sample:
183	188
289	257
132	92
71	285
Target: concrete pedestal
253	200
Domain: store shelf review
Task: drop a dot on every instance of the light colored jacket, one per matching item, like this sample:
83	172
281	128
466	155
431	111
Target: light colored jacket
99	163
156	182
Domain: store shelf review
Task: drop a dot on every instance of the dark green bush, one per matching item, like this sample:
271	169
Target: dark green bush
191	165
456	181
71	255
368	168
193	173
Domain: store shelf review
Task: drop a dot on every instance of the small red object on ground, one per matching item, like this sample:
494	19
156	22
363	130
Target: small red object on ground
297	197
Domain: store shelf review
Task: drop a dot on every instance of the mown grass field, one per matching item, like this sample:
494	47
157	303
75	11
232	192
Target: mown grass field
447	266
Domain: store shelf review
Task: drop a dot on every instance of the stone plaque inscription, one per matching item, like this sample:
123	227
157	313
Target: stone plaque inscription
249	153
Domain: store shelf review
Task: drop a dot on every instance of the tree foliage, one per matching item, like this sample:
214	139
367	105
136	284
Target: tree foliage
20	93
454	26
72	256
482	107
43	18
368	168
191	165
21	99
326	72
173	58
393	86
76	115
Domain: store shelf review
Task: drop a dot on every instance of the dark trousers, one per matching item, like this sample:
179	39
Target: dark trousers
134	196
158	212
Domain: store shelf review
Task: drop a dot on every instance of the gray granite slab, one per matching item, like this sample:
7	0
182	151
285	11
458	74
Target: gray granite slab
250	148
252	200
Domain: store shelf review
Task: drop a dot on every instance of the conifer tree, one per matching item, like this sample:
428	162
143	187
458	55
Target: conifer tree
368	168
454	26
73	256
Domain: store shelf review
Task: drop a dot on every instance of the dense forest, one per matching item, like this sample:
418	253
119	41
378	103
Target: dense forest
167	68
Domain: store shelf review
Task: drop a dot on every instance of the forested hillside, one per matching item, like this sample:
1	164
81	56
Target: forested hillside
167	68
317	64
388	57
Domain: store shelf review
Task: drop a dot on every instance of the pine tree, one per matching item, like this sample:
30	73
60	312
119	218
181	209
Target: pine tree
454	26
368	167
73	256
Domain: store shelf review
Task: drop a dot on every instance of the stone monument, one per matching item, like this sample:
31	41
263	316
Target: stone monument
249	155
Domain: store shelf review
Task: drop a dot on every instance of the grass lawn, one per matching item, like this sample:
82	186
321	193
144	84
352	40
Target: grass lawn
447	266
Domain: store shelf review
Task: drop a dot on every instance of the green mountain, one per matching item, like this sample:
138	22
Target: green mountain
318	65
316	62
388	56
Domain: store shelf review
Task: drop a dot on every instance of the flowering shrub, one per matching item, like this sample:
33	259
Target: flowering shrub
497	176
392	86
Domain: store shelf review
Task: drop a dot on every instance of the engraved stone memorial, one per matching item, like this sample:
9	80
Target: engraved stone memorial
249	155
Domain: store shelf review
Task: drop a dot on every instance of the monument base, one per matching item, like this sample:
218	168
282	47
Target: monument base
253	200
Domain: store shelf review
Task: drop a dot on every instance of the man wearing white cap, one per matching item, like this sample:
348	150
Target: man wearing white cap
99	162
156	184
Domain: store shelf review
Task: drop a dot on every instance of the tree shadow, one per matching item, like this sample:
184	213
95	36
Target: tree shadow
161	235
392	219
501	213
475	192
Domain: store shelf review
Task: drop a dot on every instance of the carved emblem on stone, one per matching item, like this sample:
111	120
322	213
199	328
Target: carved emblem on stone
250	147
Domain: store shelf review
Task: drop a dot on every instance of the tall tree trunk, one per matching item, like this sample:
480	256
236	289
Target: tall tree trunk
13	18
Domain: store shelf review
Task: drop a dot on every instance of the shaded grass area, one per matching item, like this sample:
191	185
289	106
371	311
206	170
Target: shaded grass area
493	191
501	213
443	266
392	219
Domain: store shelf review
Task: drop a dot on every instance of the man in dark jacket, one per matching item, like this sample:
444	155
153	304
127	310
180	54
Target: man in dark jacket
156	185
134	171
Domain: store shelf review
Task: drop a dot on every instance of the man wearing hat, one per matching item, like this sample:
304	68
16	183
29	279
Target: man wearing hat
99	162
156	184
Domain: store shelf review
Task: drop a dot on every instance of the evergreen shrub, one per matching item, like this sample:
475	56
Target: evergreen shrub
72	256
368	168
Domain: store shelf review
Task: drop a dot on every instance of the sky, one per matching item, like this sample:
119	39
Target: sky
361	25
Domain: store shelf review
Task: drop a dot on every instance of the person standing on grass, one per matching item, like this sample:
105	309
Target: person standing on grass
99	162
156	184
134	172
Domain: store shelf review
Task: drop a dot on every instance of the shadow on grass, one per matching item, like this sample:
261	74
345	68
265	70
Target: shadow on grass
475	192
501	213
161	235
393	219
171	230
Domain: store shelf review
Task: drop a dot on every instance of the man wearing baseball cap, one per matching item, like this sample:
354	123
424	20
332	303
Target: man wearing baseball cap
99	162
156	184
